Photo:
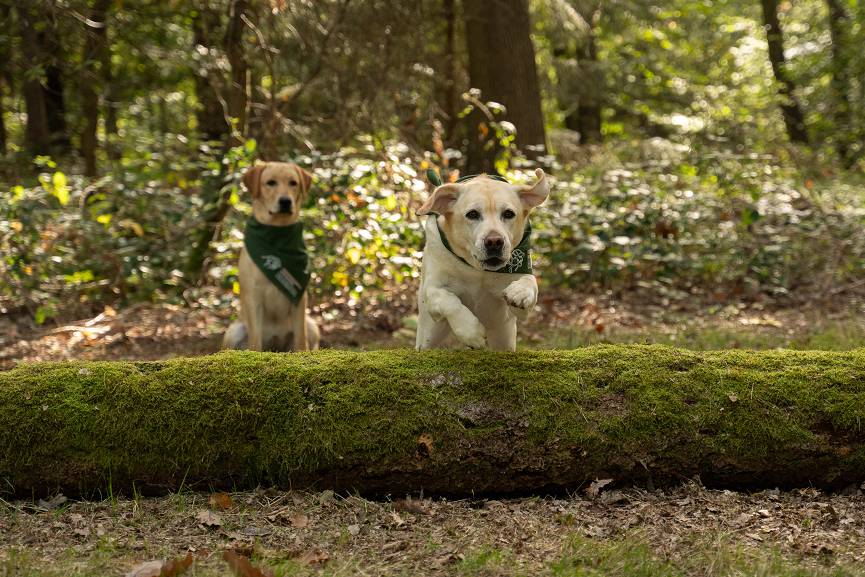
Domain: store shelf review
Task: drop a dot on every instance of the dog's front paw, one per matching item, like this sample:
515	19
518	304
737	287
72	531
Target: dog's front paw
521	295
471	334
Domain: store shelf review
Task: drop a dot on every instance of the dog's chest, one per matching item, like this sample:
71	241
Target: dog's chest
255	286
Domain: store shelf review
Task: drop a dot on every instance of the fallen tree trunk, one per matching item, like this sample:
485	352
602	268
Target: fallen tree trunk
454	423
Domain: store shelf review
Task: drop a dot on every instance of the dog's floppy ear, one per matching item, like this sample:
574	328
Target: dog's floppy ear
305	179
533	195
441	200
252	179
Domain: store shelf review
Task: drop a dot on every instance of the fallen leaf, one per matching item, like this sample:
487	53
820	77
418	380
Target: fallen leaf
221	502
208	518
596	486
176	567
242	567
314	557
397	520
54	502
299	520
410	505
149	569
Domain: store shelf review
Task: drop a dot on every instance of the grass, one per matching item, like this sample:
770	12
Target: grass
580	557
400	420
824	335
634	557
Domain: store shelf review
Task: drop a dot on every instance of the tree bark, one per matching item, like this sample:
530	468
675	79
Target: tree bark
844	127
794	119
238	92
443	422
94	82
211	113
502	66
37	135
586	117
449	83
5	74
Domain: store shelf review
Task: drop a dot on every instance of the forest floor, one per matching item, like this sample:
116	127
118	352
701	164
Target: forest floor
563	320
688	531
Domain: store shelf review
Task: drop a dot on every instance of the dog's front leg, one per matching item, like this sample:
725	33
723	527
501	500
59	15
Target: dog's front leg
465	325
255	324
298	326
522	295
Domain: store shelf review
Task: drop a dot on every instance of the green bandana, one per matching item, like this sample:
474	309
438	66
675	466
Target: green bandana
279	253
521	257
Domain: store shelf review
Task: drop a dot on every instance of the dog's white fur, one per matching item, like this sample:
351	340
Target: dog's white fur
268	318
471	301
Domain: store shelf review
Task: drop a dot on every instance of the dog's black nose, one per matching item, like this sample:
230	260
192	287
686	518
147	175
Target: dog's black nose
494	244
285	204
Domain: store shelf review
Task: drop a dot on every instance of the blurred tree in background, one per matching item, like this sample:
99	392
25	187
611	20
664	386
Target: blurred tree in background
698	146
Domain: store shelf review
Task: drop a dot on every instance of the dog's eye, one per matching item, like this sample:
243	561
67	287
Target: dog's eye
508	214
292	183
473	215
271	182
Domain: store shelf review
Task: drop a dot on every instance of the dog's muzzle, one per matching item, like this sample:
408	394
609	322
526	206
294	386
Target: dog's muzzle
284	206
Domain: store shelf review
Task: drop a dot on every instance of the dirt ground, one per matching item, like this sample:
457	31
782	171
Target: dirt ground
147	332
686	531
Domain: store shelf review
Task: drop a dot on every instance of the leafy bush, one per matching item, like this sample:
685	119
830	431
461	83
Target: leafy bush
655	216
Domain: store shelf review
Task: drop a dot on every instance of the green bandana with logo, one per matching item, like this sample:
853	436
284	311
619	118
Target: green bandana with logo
521	257
279	253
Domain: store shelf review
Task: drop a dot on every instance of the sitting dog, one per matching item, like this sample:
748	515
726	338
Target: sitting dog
477	269
274	266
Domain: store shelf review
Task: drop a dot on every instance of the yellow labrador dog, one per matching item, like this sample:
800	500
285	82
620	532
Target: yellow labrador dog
477	276
274	265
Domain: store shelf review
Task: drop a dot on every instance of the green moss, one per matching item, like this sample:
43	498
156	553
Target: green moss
498	422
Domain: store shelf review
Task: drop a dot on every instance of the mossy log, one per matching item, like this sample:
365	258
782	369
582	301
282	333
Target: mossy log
445	422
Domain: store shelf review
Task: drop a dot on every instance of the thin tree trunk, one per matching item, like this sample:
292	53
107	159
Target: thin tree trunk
216	195
112	147
794	119
93	80
449	86
211	113
238	93
5	76
841	81
502	65
586	117
37	136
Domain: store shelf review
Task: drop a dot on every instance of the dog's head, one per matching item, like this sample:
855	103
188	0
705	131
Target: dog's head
484	218
278	190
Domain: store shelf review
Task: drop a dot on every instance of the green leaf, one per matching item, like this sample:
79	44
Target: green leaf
60	190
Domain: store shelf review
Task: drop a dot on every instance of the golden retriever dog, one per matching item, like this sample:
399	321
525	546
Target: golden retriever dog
476	277
274	266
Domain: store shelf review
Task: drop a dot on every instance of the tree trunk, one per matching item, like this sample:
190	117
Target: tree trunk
211	113
502	66
93	83
794	119
449	82
37	135
844	128
214	191
5	74
586	117
442	422
238	91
